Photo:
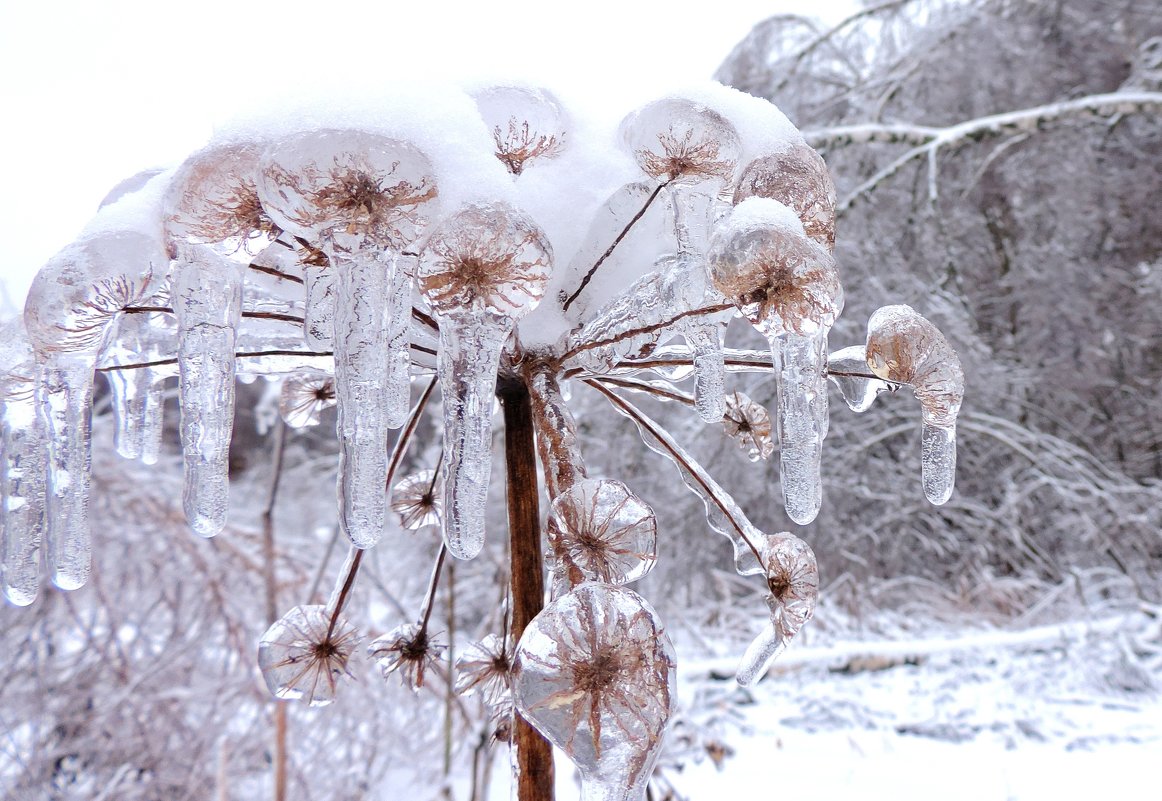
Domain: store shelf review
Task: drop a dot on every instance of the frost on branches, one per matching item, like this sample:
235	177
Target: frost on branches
386	247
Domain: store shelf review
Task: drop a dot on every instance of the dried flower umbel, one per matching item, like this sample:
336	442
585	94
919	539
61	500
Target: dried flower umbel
526	124
678	140
797	178
303	656
417	500
601	531
594	672
303	398
748	424
407	649
485	668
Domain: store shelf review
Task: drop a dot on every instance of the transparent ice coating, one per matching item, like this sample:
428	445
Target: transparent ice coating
408	650
595	674
482	269
798	178
848	369
601	531
793	581
723	514
748	424
485	667
136	392
686	288
787	286
302	658
362	199
674	139
304	397
418	500
903	347
22	469
561	462
526	124
67	315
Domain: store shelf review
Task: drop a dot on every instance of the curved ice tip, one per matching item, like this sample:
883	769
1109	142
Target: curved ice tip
204	525
459	545
759	655
71	578
17	596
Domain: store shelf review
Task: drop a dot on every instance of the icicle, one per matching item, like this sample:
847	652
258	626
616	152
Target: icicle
483	269
848	370
22	471
208	305
595	674
70	306
801	382
360	378
319	317
793	581
903	347
361	198
788	288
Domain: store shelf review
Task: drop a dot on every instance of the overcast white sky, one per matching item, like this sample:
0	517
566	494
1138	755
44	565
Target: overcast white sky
92	91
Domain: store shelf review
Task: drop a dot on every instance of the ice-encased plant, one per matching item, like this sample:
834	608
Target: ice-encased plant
364	257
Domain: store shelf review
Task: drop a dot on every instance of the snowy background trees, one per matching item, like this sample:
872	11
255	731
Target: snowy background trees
1030	240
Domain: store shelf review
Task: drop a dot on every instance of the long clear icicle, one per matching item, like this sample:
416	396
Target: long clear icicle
319	317
482	270
22	475
360	377
208	306
65	397
399	362
802	420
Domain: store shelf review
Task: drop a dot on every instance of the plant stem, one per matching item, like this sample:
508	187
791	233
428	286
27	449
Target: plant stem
279	761
534	755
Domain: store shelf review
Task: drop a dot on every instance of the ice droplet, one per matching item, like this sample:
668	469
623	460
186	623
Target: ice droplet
482	269
362	198
601	531
848	370
22	470
526	124
904	347
302	658
793	581
594	673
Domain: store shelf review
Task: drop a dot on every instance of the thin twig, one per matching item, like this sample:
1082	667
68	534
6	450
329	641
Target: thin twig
645	329
617	241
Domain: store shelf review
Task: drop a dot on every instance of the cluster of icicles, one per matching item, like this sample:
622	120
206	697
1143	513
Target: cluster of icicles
327	258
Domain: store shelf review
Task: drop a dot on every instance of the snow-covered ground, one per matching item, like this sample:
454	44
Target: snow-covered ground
1056	712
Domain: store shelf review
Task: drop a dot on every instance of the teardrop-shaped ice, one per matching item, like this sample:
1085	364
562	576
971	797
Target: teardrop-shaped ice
482	269
594	672
362	198
903	347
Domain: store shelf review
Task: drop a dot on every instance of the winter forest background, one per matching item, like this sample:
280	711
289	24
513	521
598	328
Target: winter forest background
1010	640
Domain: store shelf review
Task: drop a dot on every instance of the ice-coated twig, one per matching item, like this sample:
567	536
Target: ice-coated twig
561	462
723	513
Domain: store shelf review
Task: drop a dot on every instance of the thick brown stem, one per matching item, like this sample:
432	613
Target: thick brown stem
534	755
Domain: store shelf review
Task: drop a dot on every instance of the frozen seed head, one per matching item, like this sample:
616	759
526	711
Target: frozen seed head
213	200
600	531
793	581
358	189
594	673
905	348
526	124
485	667
748	424
486	258
408	650
418	500
304	398
782	281
797	178
302	658
678	140
79	291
